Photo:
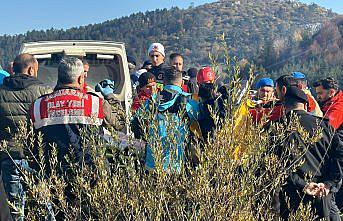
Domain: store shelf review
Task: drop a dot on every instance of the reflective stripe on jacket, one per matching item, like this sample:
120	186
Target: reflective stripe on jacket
67	106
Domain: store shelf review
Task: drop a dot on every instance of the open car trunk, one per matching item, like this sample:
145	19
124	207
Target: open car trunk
107	60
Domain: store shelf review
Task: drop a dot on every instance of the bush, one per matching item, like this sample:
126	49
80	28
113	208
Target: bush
236	176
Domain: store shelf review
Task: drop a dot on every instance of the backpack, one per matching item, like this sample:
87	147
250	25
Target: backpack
169	130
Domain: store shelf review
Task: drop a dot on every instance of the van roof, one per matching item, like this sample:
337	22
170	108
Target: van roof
75	47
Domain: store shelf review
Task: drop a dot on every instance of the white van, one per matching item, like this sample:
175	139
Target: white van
106	59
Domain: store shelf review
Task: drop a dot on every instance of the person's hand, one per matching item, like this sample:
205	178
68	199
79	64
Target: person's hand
106	87
323	190
312	189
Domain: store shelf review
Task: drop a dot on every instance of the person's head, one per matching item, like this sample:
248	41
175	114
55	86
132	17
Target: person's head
295	98
265	89
132	63
156	54
193	86
282	83
206	78
206	75
192	72
71	72
172	77
85	67
25	64
147	65
176	60
326	89
147	83
300	79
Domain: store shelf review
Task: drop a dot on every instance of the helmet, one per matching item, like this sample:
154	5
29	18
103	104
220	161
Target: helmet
206	75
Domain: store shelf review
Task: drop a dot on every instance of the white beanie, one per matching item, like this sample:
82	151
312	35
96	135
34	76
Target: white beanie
156	47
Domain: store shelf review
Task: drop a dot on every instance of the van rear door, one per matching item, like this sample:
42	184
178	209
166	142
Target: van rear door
107	60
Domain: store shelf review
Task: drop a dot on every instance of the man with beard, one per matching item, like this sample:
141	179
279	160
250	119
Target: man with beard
315	180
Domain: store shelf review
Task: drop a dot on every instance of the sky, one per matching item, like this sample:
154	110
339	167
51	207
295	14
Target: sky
20	16
335	5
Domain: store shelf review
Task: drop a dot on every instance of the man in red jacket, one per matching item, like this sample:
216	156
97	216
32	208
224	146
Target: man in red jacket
331	98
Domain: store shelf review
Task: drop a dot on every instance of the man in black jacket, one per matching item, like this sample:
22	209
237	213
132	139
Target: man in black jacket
193	87
211	104
320	152
157	56
16	95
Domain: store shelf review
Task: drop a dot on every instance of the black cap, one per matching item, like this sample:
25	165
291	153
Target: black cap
295	93
147	62
131	60
146	78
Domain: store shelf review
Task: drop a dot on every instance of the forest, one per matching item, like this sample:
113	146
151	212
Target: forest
278	36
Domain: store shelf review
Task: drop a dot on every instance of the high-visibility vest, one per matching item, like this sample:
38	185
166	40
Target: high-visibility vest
67	106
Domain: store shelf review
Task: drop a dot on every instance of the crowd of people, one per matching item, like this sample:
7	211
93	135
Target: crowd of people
187	102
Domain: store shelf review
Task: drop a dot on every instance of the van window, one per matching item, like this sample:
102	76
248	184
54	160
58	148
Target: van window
99	69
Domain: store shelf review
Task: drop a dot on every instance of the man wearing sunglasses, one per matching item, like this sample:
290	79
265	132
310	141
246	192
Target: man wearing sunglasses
157	55
265	105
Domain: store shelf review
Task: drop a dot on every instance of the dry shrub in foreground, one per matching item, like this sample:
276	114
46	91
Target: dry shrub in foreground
235	179
223	186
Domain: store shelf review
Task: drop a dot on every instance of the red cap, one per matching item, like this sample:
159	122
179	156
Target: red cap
206	75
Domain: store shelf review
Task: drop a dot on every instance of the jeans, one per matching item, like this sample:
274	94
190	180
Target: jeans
11	172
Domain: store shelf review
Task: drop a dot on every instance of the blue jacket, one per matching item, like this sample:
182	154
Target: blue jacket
3	74
170	105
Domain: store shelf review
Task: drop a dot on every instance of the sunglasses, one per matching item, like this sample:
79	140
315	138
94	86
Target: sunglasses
266	90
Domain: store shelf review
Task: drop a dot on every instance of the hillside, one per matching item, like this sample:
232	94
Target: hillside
254	29
320	55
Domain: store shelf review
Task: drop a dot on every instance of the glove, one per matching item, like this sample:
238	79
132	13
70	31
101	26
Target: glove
106	87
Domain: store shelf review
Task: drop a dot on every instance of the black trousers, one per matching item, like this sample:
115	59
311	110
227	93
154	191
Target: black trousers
338	191
339	199
324	207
